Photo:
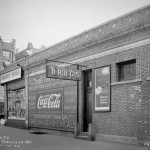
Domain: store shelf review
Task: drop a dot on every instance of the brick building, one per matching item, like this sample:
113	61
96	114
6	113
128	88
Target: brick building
6	56
109	101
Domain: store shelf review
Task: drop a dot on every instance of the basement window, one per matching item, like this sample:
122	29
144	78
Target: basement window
127	70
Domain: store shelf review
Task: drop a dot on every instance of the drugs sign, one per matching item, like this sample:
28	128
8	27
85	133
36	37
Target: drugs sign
63	73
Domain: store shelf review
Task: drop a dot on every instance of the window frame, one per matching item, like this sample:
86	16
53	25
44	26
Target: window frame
126	70
6	54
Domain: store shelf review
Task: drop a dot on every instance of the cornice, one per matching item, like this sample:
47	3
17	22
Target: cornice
120	34
110	39
133	19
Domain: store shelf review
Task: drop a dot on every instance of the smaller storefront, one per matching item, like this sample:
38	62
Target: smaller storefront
16	104
14	84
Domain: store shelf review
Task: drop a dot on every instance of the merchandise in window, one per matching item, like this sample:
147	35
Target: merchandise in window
16	104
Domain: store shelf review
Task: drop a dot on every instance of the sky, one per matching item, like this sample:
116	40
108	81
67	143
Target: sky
47	22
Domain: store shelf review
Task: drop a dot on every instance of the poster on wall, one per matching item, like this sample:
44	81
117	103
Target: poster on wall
49	101
102	89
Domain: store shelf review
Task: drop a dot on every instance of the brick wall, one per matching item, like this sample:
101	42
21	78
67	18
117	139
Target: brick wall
129	101
122	120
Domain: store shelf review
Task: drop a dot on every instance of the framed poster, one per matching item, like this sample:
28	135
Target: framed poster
102	89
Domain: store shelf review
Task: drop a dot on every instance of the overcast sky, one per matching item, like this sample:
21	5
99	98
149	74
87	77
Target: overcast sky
47	22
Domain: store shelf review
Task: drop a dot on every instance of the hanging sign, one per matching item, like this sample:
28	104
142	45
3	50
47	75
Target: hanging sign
63	73
12	75
102	89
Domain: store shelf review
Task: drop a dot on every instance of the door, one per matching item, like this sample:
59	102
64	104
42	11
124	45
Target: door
87	116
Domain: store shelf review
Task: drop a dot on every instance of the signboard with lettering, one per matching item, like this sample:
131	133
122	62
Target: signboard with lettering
53	121
12	75
102	89
63	73
49	101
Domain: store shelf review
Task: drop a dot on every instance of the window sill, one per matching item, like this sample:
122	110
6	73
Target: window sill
16	118
125	82
148	78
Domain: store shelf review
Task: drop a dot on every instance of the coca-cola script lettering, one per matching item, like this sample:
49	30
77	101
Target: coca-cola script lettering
49	101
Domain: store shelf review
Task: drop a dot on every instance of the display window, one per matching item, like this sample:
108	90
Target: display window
16	104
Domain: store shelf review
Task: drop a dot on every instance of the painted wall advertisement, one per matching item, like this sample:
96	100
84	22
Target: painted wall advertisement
49	101
102	89
54	108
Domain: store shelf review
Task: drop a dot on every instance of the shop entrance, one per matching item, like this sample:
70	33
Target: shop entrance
87	113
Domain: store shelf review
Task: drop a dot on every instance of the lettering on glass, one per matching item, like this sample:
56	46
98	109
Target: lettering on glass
49	101
102	89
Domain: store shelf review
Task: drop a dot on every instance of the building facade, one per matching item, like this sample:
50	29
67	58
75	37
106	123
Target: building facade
96	83
6	57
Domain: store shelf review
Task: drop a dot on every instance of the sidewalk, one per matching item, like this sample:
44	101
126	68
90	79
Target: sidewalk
18	139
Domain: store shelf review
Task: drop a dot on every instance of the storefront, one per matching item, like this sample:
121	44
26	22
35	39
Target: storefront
52	100
95	84
14	97
16	104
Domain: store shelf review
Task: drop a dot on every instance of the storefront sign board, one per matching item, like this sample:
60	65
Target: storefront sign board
12	75
63	73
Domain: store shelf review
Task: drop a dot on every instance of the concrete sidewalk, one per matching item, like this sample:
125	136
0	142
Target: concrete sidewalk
18	139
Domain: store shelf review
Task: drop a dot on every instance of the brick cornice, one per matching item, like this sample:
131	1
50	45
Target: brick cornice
110	40
88	43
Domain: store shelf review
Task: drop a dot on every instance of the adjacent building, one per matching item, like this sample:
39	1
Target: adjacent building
95	83
7	51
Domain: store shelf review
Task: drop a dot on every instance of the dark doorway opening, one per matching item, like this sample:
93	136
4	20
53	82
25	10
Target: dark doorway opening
87	113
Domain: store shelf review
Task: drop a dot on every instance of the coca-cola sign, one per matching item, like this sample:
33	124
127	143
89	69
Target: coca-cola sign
49	101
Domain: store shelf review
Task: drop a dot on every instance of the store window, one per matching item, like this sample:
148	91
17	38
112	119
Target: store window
127	70
16	104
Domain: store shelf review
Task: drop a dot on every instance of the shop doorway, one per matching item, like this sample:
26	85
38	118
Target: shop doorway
87	113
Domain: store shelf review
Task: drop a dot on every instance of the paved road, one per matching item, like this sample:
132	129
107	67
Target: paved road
18	139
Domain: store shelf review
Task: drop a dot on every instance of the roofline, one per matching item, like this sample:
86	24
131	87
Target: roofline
74	36
109	21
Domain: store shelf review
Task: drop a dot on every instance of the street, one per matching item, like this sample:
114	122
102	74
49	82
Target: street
19	139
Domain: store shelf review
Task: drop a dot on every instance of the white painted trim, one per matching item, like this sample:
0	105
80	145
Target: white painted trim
38	72
102	108
126	82
111	51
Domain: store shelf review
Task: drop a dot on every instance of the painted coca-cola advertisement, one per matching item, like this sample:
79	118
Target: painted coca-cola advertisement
49	101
